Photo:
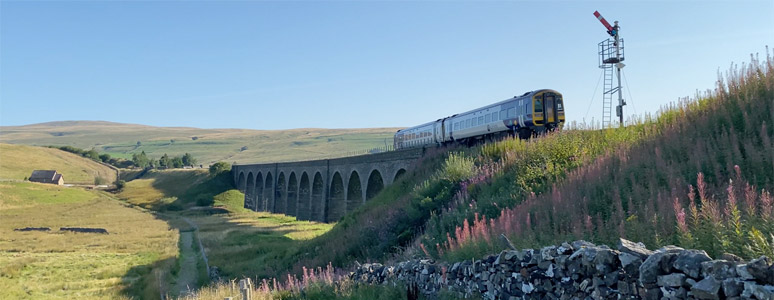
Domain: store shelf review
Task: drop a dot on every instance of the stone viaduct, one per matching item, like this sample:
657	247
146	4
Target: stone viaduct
320	190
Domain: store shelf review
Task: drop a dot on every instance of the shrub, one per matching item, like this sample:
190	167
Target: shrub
204	200
219	167
100	181
120	184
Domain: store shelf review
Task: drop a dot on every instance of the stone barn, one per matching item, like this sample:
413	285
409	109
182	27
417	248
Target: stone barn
47	176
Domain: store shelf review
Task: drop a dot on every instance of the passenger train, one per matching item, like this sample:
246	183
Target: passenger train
534	112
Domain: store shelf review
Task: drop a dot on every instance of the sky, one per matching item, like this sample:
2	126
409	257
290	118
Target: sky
353	64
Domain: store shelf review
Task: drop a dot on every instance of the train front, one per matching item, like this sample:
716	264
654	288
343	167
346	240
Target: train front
547	110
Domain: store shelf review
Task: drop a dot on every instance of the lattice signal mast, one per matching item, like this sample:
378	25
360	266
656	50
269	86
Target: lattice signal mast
611	56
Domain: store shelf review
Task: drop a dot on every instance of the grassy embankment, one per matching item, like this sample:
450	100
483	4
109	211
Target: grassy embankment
128	262
18	161
632	182
645	187
206	145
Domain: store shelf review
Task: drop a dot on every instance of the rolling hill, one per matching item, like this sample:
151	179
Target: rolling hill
207	145
18	162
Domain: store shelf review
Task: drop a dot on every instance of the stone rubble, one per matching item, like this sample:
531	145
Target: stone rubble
582	270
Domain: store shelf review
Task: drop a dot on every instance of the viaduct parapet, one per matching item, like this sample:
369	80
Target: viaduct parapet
320	190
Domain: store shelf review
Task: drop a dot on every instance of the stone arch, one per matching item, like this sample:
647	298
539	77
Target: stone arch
318	198
292	199
241	182
268	192
398	174
249	191
375	184
304	199
354	192
336	205
258	201
280	206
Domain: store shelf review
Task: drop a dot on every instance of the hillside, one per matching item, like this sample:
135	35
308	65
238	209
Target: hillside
698	175
207	145
55	264
18	162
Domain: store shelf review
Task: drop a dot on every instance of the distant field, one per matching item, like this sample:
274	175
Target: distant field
18	162
57	265
207	145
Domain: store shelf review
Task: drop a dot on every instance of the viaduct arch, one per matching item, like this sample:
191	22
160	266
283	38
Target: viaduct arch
320	190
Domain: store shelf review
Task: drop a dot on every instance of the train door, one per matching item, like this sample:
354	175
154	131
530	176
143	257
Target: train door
550	110
439	132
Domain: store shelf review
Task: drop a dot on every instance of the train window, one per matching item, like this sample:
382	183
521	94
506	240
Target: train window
502	115
467	123
480	120
494	116
512	112
487	118
559	105
538	105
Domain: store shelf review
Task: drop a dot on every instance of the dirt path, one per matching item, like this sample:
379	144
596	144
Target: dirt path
187	276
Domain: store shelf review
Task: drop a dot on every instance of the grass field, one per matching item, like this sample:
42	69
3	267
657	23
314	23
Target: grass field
18	162
65	265
238	241
157	187
243	244
207	145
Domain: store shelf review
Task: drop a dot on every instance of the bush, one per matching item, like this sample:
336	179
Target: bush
219	167
120	184
100	181
204	200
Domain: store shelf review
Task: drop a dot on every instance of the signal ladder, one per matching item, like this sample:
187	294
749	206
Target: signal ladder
609	88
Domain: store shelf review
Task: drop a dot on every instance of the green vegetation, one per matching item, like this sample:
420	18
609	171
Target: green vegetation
228	230
27	194
633	182
54	264
207	145
219	167
597	184
256	239
19	161
95	156
698	175
319	290
174	190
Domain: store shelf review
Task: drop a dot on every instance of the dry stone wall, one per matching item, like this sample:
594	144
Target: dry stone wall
582	270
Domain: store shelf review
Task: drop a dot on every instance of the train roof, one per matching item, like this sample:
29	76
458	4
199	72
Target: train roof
530	93
483	107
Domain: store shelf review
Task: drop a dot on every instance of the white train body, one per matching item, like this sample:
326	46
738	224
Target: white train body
525	115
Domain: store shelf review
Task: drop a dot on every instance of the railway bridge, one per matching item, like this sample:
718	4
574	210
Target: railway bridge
320	190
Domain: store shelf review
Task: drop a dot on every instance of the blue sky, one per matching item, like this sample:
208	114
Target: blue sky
351	64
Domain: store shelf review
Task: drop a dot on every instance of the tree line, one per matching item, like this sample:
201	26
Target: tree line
165	162
140	160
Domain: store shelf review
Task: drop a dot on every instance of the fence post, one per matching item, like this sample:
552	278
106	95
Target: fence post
245	287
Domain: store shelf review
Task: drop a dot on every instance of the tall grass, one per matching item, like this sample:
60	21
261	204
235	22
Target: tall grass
320	283
601	185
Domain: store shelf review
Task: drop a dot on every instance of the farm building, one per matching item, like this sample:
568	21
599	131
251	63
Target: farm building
47	176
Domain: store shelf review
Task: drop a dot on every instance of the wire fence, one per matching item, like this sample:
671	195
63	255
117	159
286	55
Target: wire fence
376	150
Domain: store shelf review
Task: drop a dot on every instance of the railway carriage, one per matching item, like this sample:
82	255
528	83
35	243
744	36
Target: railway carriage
533	112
